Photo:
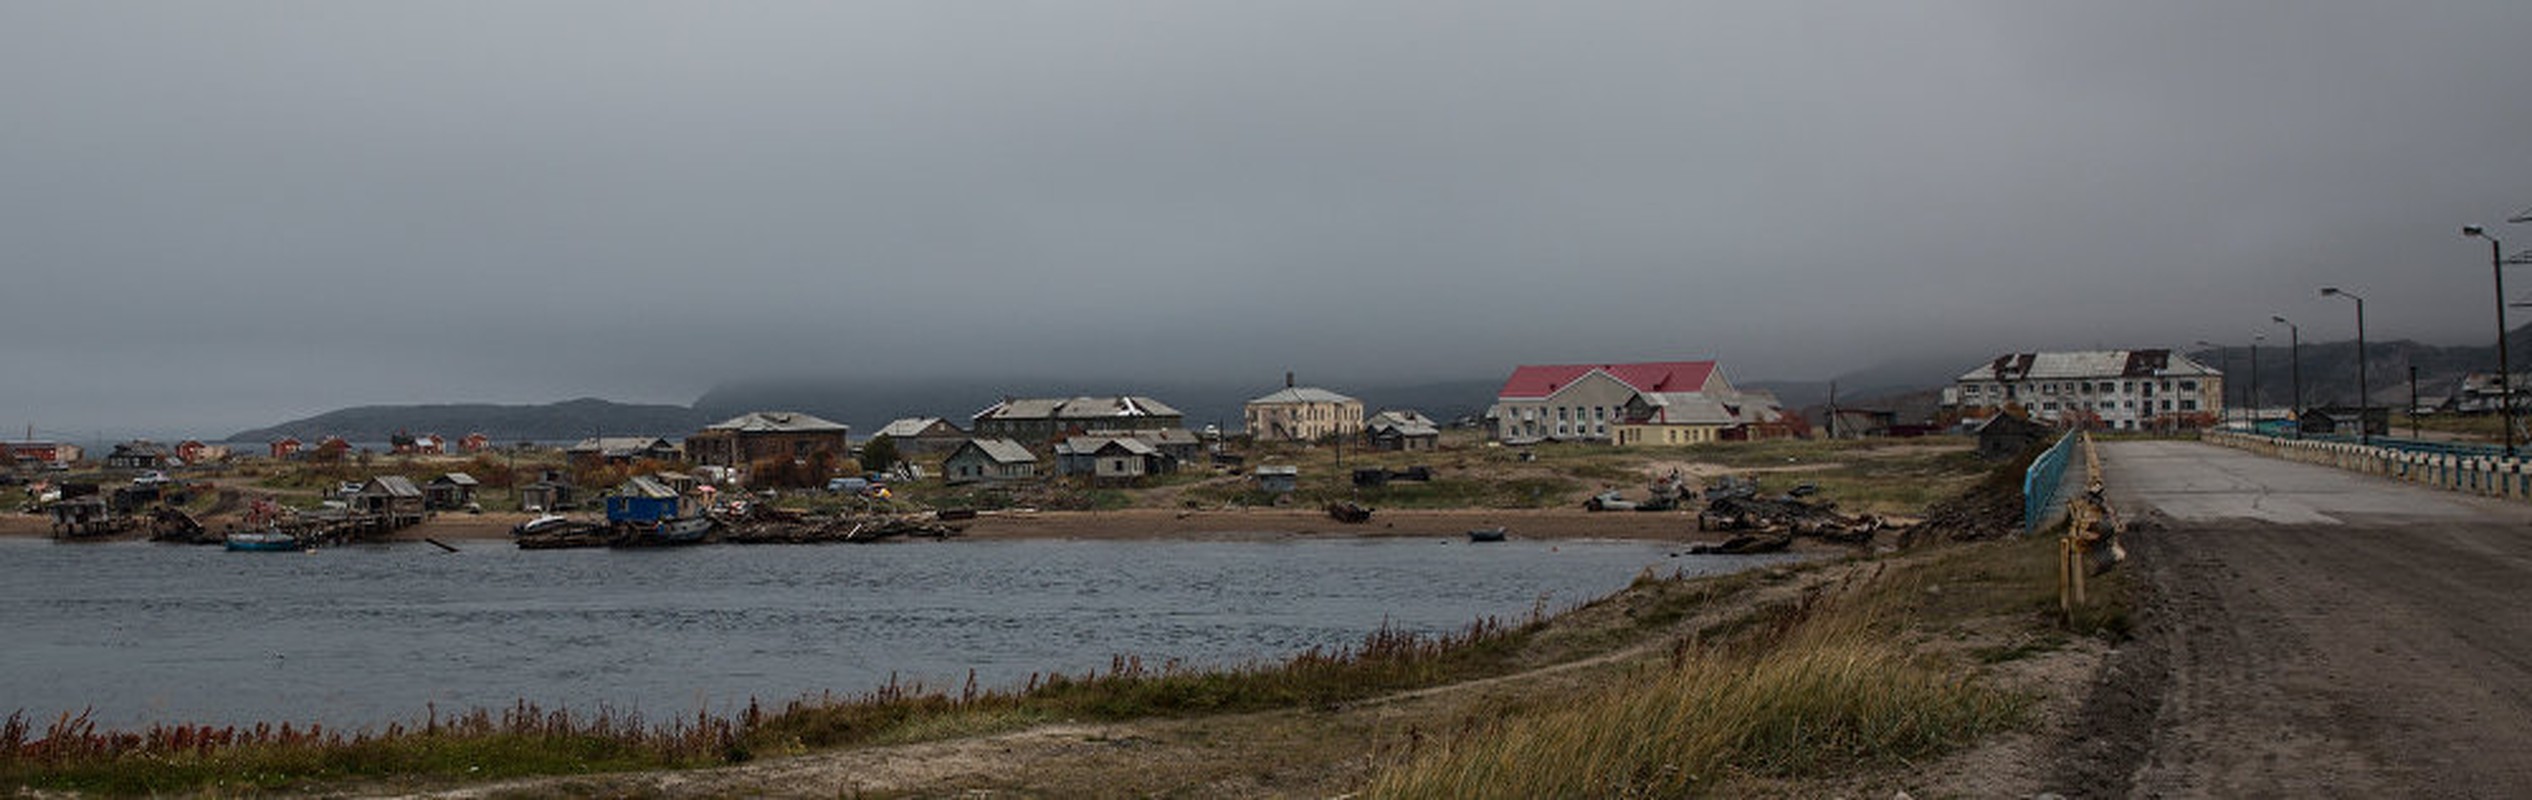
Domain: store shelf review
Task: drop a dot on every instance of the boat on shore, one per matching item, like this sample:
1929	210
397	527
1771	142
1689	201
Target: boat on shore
677	530
1494	534
263	541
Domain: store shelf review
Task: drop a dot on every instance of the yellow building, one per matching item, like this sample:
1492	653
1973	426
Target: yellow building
1302	414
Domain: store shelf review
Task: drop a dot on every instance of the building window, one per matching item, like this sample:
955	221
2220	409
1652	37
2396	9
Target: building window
2188	405
2189	386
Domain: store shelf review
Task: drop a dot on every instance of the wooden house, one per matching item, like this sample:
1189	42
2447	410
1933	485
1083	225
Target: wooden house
1279	479
1406	431
923	436
451	491
474	443
761	435
622	450
643	499
553	492
394	495
287	447
989	461
139	454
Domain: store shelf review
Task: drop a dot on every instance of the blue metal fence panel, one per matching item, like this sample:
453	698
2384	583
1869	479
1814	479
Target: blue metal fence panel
2041	481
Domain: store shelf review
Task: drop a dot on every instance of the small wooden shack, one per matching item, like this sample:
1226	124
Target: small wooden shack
451	491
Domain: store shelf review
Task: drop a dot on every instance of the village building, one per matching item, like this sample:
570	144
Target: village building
1112	459
287	447
989	461
38	454
622	450
393	495
195	452
473	443
333	448
923	435
407	444
2111	389
1858	423
1278	478
1402	430
1040	420
452	491
1650	403
140	454
762	435
550	493
1302	414
2343	421
644	499
2482	393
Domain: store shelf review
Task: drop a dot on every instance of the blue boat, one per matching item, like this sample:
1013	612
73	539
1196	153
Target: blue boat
273	541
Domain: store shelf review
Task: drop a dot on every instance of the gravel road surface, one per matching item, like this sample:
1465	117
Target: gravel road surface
2308	632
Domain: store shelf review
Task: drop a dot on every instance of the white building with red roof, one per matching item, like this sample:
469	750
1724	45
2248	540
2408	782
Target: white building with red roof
1651	403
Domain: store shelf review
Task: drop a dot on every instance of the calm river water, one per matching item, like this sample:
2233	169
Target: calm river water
359	636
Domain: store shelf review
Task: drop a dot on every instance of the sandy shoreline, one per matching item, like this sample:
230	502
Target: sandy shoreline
1160	524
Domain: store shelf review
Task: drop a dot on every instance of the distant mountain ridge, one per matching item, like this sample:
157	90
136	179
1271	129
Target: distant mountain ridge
566	420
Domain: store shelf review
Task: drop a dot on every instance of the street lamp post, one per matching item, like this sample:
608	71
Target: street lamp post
2294	354
2224	354
2363	401
2254	388
2505	368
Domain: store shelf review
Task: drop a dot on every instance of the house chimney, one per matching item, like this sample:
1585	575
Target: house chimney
1287	379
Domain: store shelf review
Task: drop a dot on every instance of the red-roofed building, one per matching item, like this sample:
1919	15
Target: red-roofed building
287	447
1661	402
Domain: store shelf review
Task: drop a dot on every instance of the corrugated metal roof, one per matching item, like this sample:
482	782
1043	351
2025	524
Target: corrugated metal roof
1405	423
645	486
1077	408
1003	451
1302	394
907	428
1534	381
396	486
2083	364
777	422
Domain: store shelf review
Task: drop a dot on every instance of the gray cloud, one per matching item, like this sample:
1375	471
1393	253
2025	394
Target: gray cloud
219	215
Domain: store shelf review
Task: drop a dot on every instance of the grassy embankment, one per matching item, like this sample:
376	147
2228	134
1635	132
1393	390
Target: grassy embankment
1859	672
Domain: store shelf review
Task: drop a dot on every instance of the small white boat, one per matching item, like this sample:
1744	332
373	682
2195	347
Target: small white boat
261	541
541	524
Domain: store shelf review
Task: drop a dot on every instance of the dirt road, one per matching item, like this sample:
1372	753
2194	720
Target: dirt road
2310	632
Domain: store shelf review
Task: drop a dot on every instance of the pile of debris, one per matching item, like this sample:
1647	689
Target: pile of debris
858	530
1990	509
1772	523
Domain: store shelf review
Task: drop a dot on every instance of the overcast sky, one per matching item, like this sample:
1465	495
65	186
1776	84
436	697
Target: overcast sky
220	215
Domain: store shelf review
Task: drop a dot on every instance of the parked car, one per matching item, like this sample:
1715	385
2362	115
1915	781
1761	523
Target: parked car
1609	500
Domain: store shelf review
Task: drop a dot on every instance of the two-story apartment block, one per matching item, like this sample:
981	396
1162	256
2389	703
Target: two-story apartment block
1046	419
767	434
1302	414
1652	403
2111	389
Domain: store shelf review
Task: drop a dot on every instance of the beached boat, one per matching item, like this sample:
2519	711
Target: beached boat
547	523
1494	534
262	540
675	530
